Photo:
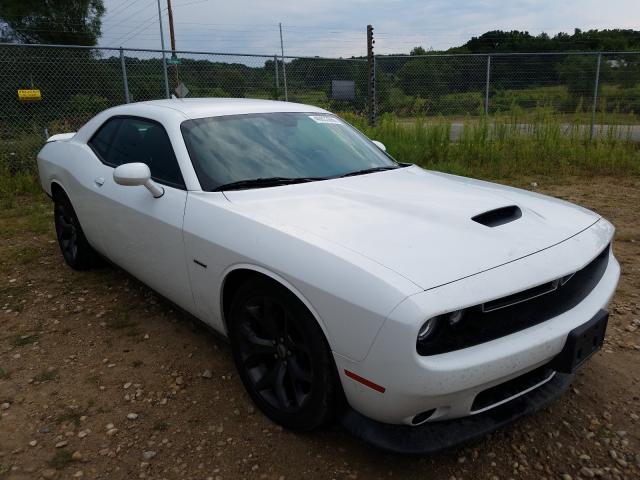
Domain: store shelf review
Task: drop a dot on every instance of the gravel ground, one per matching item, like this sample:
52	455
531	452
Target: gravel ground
101	378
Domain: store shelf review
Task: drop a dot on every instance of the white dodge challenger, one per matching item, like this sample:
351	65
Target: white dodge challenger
422	309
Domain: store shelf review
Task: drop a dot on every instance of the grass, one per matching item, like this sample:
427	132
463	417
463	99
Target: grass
61	459
24	340
24	212
13	295
70	416
93	380
46	376
505	146
121	322
160	426
517	141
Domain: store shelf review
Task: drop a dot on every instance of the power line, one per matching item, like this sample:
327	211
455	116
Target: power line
131	15
190	3
131	35
119	7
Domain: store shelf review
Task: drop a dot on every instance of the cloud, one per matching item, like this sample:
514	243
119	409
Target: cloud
337	28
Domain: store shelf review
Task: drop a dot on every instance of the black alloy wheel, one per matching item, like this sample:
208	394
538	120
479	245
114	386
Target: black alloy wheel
74	246
282	356
67	231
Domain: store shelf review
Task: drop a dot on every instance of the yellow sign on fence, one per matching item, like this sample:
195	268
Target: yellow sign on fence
29	95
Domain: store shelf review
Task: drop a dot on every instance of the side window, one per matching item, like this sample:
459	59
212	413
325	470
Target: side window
101	141
139	140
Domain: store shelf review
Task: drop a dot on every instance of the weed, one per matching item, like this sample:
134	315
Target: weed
46	376
14	295
121	322
160	426
506	145
23	340
92	380
61	459
71	416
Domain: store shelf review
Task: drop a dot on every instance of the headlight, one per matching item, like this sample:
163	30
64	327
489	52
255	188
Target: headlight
427	329
455	317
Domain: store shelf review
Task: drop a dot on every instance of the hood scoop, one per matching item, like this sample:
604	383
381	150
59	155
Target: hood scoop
498	216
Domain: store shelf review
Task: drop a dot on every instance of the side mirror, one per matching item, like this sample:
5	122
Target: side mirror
137	174
380	145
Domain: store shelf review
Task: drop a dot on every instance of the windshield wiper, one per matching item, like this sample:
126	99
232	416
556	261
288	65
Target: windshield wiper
264	182
372	170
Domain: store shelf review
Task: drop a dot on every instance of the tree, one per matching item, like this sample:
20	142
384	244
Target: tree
233	82
67	22
418	51
578	73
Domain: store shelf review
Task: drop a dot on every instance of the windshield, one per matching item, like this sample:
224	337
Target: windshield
236	148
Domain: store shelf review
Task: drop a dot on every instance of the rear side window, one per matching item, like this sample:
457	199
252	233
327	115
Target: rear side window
103	138
129	140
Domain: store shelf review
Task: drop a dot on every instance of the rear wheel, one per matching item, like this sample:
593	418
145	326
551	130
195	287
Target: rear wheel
74	246
282	356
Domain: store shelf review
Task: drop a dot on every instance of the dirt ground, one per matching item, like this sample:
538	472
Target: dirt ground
101	378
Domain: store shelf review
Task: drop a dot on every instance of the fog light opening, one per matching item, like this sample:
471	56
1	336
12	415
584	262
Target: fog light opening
422	417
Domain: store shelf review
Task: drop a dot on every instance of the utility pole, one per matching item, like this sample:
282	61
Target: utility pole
371	63
284	69
164	58
172	36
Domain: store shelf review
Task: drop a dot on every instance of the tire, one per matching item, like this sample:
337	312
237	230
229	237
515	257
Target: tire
74	246
282	356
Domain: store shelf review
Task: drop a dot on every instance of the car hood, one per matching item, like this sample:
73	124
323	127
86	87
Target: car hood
418	222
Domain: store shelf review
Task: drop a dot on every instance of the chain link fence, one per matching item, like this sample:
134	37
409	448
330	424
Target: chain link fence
77	82
467	85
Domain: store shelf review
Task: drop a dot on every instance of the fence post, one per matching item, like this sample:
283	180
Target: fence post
275	66
486	90
284	68
595	97
125	82
371	64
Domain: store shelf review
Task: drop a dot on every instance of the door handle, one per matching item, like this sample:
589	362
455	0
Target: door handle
99	181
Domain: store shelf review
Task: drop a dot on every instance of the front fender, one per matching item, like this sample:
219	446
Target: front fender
348	294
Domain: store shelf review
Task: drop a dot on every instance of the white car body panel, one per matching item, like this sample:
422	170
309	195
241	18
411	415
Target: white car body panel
145	234
405	219
450	381
242	240
371	256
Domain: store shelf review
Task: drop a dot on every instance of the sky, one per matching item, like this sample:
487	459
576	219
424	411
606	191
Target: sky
336	28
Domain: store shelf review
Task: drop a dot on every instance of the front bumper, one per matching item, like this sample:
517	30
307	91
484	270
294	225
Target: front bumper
432	437
450	382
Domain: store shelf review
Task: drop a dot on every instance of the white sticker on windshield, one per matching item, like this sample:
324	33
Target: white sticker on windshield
325	119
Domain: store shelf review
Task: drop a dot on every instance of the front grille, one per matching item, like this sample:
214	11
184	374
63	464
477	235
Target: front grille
511	388
513	313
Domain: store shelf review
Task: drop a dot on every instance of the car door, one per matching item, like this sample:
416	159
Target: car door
143	234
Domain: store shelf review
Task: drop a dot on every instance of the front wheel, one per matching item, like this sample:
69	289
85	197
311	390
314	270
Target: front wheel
74	246
282	356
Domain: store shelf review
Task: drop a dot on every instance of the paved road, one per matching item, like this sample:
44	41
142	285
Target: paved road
632	132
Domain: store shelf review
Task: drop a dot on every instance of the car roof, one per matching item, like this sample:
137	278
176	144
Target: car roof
211	107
